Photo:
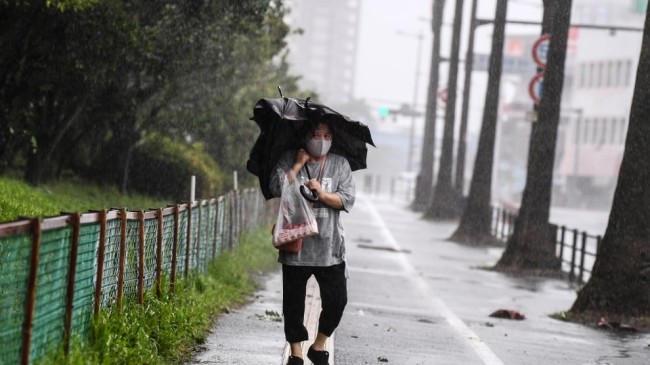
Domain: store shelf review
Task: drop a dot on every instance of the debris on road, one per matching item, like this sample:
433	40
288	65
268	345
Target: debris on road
508	314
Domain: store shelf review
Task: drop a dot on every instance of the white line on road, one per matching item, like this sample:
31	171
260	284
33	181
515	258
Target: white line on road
482	350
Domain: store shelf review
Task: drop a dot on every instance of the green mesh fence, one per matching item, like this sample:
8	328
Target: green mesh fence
111	263
167	244
85	277
150	252
215	225
182	244
49	308
14	271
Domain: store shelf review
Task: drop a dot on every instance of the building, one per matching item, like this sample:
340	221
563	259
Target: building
596	99
324	55
603	68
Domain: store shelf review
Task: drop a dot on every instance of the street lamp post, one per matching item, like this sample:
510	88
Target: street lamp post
419	37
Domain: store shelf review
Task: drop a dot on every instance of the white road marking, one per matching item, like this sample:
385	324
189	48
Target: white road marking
470	337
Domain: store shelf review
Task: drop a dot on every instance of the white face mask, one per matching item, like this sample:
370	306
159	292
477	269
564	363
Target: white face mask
318	147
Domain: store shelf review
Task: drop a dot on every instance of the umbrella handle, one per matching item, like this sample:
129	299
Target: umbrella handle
312	195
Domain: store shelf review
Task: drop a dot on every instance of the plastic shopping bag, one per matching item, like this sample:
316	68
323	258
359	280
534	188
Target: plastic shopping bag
295	217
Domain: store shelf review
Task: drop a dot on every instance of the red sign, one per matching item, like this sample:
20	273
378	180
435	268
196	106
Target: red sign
535	88
442	95
540	50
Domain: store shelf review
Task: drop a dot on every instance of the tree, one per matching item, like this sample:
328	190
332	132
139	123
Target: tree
82	82
445	201
459	181
618	285
424	181
476	220
532	244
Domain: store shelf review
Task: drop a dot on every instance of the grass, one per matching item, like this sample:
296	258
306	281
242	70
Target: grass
18	199
614	323
167	330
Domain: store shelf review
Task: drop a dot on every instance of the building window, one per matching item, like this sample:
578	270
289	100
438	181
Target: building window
610	73
623	128
628	73
586	126
619	73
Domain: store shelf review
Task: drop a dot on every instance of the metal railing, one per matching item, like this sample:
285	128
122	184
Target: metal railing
576	249
56	273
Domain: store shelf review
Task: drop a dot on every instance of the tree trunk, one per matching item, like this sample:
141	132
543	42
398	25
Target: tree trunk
619	280
424	181
532	245
476	221
445	201
467	85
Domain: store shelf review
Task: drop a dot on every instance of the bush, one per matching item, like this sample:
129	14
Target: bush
163	167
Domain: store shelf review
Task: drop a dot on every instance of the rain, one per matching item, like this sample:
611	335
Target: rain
498	207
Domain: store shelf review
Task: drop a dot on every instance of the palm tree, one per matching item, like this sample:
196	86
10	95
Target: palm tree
476	220
445	201
424	181
619	281
532	244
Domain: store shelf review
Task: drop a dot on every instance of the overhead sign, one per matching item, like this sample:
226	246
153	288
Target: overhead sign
535	88
540	50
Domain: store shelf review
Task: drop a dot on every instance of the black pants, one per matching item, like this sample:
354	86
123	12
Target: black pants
334	296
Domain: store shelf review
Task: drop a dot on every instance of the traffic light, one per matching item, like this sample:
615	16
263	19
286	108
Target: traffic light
384	111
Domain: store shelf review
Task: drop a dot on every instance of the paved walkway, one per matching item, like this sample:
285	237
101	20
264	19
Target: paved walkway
415	298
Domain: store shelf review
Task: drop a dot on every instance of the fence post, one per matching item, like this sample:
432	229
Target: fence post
72	270
216	227
494	222
599	239
199	242
573	254
141	257
159	241
582	255
504	219
100	261
172	279
120	270
562	236
31	291
188	240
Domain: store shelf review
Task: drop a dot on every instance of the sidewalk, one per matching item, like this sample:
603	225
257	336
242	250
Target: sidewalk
415	298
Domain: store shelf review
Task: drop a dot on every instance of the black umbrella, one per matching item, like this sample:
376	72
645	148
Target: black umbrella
284	122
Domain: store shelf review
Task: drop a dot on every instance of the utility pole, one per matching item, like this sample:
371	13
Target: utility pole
445	201
414	116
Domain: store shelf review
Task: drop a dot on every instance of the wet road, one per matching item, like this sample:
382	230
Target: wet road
415	298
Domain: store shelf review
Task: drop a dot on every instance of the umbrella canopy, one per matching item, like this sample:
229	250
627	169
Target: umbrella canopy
283	124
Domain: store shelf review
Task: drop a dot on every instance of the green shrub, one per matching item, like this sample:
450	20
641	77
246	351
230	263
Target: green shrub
163	167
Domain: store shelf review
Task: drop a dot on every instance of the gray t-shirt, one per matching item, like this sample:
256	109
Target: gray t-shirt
328	247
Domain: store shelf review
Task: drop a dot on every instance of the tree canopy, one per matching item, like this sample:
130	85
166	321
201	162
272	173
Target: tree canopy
83	82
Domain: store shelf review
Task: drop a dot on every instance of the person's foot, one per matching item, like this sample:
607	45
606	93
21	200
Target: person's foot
294	360
318	357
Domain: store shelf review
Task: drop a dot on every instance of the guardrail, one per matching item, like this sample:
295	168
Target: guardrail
56	272
576	249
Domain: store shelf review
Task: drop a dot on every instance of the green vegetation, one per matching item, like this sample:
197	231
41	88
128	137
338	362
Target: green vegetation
18	199
165	331
88	81
158	153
